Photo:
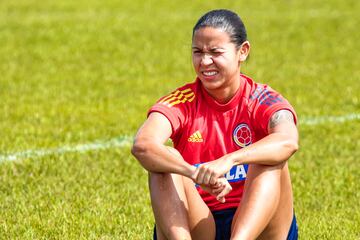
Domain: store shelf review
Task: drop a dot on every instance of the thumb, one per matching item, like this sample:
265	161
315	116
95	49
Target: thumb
225	191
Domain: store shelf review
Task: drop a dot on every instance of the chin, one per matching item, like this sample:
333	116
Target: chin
211	85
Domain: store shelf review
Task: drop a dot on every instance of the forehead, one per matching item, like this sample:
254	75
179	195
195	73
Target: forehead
210	37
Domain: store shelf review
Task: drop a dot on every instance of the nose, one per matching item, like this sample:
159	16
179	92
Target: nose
206	59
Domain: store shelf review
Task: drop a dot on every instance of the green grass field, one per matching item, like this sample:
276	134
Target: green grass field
75	73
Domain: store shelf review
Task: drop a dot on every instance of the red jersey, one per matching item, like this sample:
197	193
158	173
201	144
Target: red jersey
204	130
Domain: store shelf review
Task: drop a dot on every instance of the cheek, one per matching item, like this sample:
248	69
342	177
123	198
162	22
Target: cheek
230	63
196	62
221	63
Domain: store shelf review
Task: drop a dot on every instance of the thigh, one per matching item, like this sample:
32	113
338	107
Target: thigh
178	208
267	202
282	219
169	205
201	221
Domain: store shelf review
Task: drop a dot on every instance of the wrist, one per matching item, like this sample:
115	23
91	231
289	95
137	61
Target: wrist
231	159
238	157
190	172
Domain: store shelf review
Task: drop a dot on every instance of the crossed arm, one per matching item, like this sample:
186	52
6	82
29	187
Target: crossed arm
151	152
276	147
154	156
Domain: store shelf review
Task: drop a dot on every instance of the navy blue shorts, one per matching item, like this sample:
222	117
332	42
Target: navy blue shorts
223	220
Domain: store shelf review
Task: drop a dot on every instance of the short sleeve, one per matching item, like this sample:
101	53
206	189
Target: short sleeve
264	103
174	108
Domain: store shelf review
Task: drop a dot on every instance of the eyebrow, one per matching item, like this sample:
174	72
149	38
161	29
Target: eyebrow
211	49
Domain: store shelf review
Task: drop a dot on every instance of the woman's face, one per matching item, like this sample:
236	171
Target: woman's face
215	58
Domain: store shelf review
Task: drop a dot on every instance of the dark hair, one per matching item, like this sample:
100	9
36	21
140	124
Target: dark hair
225	20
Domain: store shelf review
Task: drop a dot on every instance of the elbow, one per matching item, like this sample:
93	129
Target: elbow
139	149
291	146
146	152
143	151
286	149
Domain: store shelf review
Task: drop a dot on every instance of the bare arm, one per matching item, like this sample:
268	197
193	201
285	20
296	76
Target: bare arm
150	151
268	192
154	156
273	149
278	146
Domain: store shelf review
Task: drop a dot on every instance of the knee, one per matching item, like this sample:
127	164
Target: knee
159	176
259	169
164	181
264	176
159	180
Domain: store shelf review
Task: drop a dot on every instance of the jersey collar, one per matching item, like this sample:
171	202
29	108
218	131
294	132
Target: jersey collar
234	101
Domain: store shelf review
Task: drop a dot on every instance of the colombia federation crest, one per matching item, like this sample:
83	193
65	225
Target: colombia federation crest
242	135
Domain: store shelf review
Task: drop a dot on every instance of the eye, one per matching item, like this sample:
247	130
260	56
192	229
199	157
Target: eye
196	51
216	53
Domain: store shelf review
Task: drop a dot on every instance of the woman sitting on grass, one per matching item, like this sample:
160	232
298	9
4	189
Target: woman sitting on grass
227	176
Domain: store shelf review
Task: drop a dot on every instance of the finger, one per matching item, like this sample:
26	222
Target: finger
215	185
225	191
222	200
195	174
213	180
221	182
217	188
216	191
201	175
207	177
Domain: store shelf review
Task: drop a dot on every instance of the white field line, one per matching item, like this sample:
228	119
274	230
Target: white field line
97	145
123	141
329	119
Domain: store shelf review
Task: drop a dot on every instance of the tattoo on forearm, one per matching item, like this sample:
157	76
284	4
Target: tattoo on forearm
279	117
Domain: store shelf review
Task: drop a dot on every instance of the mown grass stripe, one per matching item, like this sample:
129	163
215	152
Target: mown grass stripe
126	140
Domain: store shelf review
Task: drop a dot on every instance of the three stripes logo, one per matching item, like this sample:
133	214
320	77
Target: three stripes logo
195	137
179	96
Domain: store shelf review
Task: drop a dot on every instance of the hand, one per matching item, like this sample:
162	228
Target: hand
208	173
219	190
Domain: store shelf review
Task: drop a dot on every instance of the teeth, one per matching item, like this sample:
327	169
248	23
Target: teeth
209	73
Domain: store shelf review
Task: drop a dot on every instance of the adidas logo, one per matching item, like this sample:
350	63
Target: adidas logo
195	137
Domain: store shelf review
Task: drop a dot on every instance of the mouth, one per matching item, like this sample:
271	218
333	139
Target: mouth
209	73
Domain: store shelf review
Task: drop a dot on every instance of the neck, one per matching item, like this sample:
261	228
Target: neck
225	93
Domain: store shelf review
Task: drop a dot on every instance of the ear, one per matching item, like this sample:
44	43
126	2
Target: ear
244	51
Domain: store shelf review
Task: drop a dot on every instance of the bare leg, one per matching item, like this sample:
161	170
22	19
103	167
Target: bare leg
170	206
266	208
179	211
278	227
202	224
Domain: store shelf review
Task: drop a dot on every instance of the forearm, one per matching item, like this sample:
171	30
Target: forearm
271	150
156	157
